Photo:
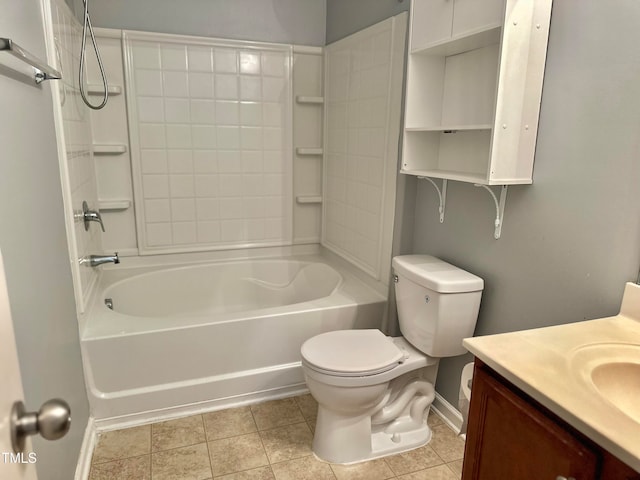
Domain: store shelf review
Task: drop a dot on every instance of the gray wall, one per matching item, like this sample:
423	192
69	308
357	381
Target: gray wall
284	21
345	17
34	246
572	239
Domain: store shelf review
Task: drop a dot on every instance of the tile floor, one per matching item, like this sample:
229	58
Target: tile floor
270	440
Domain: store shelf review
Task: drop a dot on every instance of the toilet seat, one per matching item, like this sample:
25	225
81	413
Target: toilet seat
351	353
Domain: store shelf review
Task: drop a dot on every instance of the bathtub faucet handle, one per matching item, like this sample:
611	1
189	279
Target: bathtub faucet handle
90	216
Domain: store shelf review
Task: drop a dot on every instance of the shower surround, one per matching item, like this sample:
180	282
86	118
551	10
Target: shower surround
211	153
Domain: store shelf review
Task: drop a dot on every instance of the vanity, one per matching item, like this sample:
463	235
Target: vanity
558	403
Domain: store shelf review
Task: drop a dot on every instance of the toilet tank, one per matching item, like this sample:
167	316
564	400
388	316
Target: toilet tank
437	303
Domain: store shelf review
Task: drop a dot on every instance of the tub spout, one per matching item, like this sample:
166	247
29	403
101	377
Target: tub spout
95	260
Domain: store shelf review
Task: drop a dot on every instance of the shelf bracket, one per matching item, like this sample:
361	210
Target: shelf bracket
442	195
499	207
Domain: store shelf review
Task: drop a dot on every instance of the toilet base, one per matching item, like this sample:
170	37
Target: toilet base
383	444
364	422
343	440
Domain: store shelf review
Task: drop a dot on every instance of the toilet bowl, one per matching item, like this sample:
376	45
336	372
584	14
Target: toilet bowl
374	391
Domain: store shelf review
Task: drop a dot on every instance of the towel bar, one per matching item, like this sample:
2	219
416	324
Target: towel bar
43	71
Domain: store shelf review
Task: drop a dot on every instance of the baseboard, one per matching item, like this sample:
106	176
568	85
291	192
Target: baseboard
154	416
447	412
86	451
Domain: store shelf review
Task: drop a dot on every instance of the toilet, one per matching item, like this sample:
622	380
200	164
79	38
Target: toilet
374	391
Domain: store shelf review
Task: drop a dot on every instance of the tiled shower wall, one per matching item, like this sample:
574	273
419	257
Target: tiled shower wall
363	80
77	167
210	142
110	129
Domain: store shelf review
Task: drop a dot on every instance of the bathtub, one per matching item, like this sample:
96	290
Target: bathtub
214	334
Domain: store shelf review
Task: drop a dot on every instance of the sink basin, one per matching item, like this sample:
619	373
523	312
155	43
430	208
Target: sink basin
613	371
619	383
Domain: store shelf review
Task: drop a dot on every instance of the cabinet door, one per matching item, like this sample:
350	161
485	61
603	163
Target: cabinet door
472	16
510	438
430	22
614	469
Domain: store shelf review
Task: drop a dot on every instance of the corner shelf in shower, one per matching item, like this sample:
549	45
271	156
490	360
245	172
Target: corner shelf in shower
309	199
114	205
109	149
309	100
98	89
309	151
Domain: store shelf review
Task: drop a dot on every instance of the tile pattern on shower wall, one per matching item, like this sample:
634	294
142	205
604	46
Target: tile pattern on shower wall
78	168
358	72
210	138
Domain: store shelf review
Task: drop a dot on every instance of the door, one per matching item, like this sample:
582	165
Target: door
12	466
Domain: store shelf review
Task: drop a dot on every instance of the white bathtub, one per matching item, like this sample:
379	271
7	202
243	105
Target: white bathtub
214	334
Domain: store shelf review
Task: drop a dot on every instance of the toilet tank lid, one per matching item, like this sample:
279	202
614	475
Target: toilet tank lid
436	275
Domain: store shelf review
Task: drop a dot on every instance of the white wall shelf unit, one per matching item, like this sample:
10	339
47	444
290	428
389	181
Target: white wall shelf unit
474	86
109	149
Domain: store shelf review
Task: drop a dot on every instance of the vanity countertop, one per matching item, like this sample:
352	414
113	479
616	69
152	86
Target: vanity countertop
553	364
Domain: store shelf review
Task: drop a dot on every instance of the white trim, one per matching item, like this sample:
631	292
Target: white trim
107	32
81	297
447	412
89	441
307	240
140	35
161	415
308	49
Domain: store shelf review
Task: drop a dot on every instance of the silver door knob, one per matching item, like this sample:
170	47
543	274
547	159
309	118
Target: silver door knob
52	421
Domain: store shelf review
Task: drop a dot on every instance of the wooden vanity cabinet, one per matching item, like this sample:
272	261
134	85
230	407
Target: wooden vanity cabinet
512	436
